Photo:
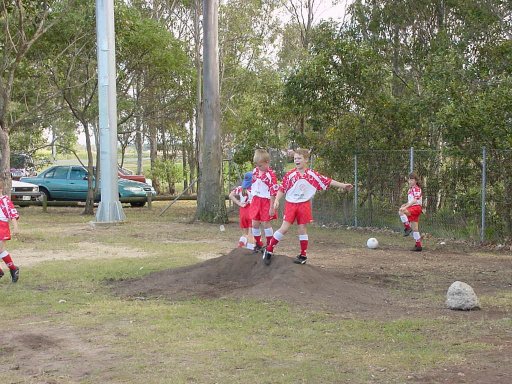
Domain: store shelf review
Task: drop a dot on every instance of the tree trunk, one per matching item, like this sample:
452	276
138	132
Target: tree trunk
153	152
138	144
5	161
211	204
89	203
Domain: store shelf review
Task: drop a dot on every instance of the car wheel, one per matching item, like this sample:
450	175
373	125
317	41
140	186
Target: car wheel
45	191
138	204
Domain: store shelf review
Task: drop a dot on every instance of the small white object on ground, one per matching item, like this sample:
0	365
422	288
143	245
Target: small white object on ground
372	243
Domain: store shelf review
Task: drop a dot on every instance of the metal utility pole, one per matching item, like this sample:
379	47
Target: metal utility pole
110	209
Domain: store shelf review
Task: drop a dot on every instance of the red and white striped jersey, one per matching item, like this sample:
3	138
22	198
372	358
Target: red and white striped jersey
7	210
243	198
414	195
264	184
299	188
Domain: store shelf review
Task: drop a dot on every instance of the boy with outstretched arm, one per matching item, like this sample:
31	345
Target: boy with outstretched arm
299	186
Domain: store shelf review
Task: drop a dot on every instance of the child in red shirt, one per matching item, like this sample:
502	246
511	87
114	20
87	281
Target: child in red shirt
244	202
410	212
299	186
263	189
7	214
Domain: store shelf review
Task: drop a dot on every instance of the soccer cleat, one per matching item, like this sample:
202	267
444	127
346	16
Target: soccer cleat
1	273
300	259
407	231
15	274
267	255
417	248
259	248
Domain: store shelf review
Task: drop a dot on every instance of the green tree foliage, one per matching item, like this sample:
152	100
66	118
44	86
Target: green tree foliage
250	88
427	74
22	24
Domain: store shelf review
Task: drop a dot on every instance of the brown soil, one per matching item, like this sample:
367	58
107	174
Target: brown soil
340	278
242	274
386	283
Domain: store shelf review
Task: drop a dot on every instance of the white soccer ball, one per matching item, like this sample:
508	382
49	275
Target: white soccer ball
372	243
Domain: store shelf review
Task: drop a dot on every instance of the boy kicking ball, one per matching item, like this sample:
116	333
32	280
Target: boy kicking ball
299	186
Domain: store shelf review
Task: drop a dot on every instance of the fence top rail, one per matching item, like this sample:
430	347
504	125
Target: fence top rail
430	150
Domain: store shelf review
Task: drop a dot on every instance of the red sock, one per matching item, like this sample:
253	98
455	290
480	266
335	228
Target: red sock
303	247
257	240
418	243
8	261
407	225
272	243
304	240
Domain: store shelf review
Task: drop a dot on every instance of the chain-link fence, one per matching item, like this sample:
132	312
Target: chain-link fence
466	193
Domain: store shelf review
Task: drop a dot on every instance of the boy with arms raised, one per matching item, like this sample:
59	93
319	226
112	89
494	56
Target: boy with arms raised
299	186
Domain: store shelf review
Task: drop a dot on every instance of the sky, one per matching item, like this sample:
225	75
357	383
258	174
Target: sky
325	9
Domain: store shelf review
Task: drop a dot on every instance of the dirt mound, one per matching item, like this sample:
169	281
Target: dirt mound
242	274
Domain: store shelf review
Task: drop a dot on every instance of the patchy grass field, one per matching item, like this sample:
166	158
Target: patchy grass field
67	320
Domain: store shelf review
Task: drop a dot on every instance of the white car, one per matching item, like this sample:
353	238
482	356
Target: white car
20	187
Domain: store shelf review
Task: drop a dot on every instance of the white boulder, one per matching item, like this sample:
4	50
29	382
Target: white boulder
462	297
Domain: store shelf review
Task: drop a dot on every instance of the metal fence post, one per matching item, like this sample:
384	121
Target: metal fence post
149	199
356	189
484	182
411	160
45	202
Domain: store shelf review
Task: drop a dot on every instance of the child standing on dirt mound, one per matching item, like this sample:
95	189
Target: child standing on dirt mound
299	186
264	189
7	214
242	197
410	212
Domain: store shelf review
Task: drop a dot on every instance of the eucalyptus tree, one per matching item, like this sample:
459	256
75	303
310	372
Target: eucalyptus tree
22	23
149	62
447	61
156	78
438	53
249	80
71	65
211	205
297	38
175	133
342	93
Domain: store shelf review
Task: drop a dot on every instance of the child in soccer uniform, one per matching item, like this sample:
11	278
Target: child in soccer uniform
7	214
263	189
410	212
244	202
299	186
